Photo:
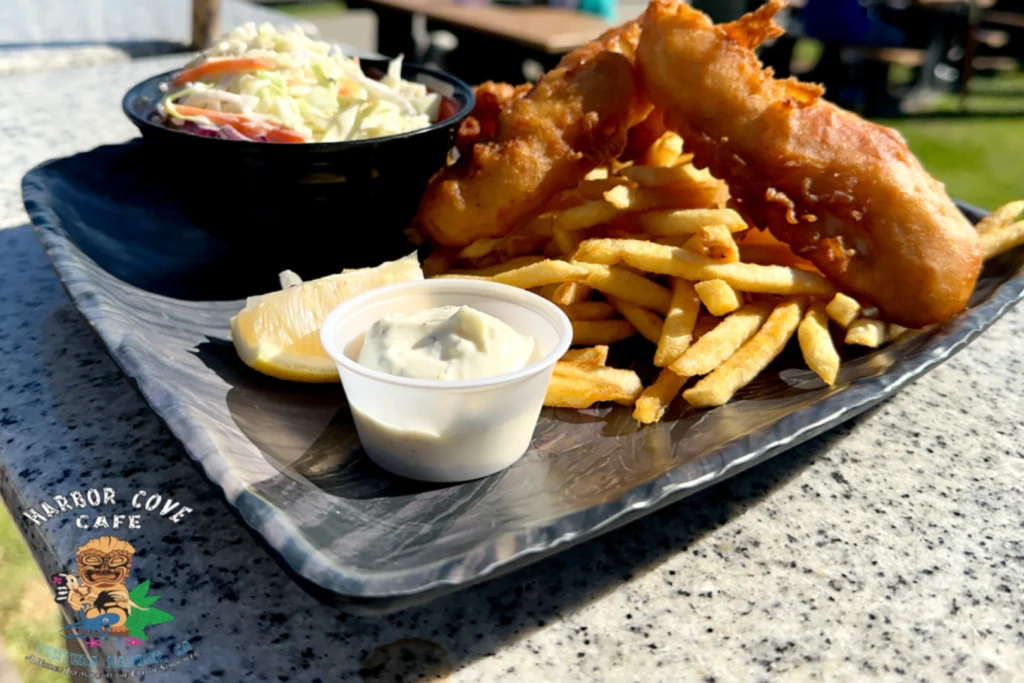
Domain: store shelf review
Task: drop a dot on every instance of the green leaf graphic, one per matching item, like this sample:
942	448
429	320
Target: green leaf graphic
144	616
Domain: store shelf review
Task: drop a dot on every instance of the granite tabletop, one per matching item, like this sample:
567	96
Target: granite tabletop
891	547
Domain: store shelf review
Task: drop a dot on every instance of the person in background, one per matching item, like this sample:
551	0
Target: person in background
606	9
849	22
842	23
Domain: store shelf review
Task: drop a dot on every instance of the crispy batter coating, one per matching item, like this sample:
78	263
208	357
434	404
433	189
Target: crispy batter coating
482	124
842	192
574	119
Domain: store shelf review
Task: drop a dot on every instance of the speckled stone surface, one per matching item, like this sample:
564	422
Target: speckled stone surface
892	547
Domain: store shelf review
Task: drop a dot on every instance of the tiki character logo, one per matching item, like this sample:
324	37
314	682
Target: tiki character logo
99	593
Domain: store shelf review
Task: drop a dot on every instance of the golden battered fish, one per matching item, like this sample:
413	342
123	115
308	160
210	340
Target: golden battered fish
482	124
575	119
844	193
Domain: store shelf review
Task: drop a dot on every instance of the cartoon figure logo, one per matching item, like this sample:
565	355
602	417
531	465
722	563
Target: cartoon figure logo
99	593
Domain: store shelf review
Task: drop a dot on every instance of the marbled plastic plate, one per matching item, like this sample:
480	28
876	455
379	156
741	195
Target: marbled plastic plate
159	292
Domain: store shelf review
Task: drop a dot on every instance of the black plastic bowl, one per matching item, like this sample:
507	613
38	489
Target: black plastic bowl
314	207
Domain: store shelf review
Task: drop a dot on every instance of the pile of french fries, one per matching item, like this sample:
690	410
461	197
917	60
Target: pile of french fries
647	247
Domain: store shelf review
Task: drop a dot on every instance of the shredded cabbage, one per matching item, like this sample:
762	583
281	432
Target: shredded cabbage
312	89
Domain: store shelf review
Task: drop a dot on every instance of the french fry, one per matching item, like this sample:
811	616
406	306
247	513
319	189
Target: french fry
511	264
567	241
705	323
591	355
459	276
721	385
623	198
816	344
480	248
590	190
774	255
621	386
720	343
439	262
843	309
657	176
700	175
599	173
569	293
718	297
665	151
666	260
620	197
567	392
866	332
688	221
547	291
585	215
669	241
542	273
892	331
627	286
1001	217
1000	240
655	399
677	333
595	332
604	251
540	225
692	194
589	310
648	324
714	242
761	247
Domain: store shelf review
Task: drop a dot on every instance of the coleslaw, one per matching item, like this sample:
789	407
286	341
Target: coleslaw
265	85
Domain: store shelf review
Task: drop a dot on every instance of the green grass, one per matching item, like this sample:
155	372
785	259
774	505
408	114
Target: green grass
28	613
980	163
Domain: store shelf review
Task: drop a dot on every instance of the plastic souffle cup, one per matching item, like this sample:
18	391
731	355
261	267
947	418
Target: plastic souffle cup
437	430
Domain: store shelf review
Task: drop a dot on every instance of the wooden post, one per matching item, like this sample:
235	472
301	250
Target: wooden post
205	23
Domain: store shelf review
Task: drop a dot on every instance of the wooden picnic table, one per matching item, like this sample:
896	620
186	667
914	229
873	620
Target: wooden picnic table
494	40
553	30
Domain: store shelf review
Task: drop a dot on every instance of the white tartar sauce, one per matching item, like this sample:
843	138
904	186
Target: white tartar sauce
446	343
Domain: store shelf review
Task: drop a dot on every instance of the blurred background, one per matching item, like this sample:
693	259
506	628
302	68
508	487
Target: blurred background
945	73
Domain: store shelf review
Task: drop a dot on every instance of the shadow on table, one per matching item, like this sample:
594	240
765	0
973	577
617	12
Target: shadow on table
134	49
511	607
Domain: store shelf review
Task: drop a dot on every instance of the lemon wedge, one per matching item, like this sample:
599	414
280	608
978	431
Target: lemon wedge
278	334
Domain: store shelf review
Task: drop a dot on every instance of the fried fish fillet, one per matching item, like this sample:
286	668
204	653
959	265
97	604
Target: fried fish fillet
844	193
575	119
482	124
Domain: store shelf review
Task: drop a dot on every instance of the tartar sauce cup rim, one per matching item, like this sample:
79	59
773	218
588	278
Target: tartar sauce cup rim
498	290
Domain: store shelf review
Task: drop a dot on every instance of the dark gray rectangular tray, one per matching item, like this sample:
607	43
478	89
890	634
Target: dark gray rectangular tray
159	292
